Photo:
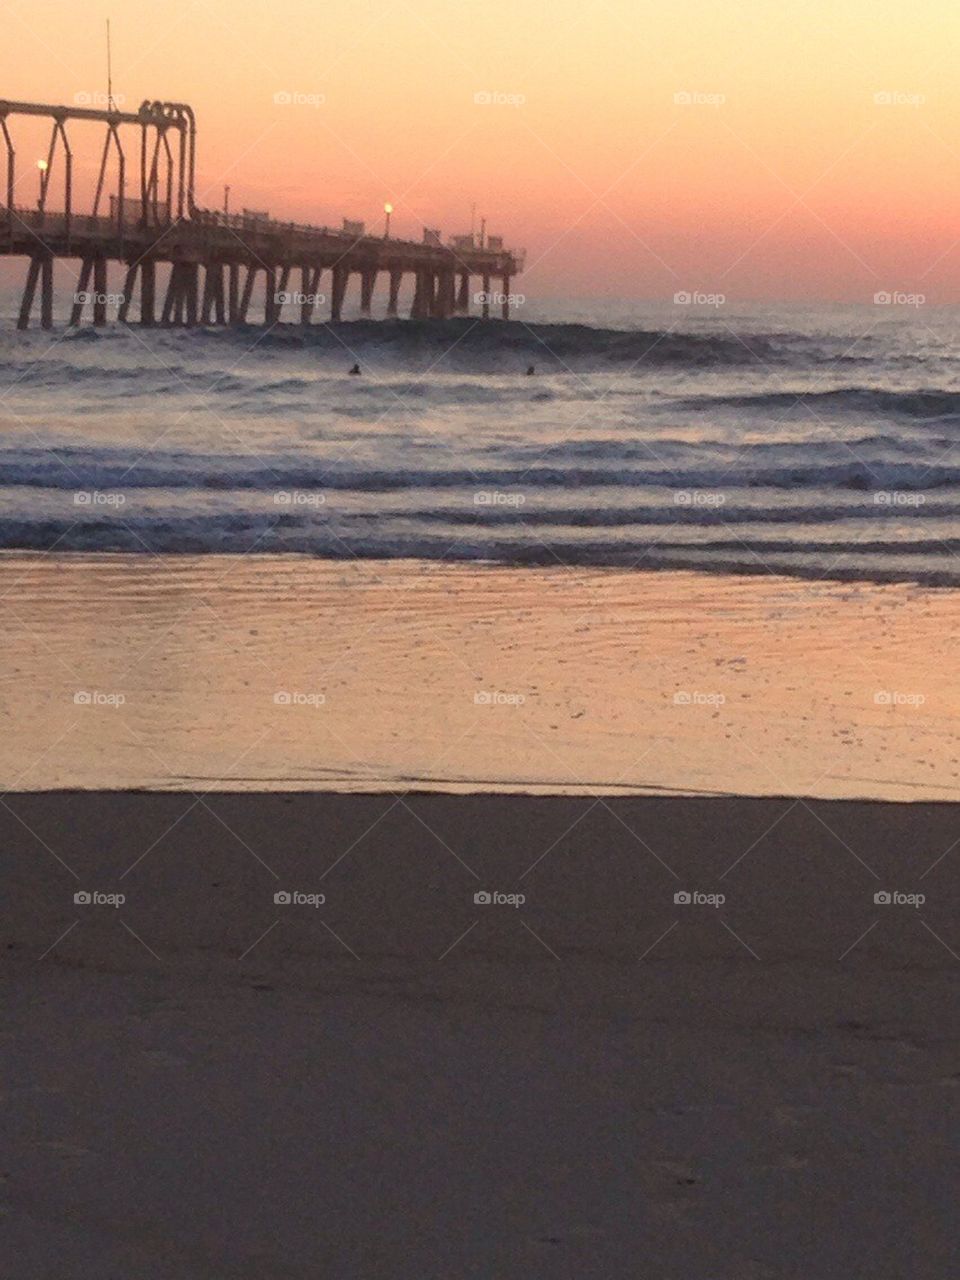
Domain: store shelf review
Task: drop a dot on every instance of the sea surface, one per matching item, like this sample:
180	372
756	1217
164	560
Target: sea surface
818	442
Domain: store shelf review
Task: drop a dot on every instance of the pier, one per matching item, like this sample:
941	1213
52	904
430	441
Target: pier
214	260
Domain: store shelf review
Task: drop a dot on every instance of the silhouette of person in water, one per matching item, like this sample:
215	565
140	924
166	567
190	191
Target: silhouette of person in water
355	371
530	371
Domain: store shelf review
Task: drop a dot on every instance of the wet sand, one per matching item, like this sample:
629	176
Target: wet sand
285	672
202	1083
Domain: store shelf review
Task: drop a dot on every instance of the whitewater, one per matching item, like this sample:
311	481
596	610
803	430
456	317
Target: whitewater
812	441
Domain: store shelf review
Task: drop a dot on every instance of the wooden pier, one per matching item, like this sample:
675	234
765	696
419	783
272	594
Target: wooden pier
213	261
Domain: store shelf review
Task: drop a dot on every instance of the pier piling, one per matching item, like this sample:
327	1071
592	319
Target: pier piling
368	282
396	278
338	291
148	292
99	291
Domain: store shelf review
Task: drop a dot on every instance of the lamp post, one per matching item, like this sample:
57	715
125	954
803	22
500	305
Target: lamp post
387	209
42	167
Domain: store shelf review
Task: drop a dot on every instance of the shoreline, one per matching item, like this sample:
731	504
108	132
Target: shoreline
465	790
935	580
286	673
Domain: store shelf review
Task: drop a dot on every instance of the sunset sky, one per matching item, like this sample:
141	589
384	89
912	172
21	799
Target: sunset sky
783	178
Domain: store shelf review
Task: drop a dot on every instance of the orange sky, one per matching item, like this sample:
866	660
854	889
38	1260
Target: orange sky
798	184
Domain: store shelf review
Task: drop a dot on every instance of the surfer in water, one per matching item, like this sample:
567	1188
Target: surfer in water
530	371
355	371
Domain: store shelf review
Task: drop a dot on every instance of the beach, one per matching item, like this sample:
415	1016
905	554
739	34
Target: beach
596	1081
682	1008
479	596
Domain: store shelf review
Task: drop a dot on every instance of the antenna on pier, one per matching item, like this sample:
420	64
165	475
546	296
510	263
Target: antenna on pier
109	71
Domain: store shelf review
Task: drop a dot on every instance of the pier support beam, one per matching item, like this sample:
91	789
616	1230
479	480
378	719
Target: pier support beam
396	278
148	293
448	293
422	296
426	295
310	290
213	292
306	292
463	294
436	295
270	310
219	301
46	292
83	283
180	296
439	294
233	292
166	315
176	297
129	285
29	290
211	307
338	291
279	294
248	284
99	291
191	290
368	281
40	269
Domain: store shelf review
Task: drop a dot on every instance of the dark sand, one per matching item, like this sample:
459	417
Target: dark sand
400	1083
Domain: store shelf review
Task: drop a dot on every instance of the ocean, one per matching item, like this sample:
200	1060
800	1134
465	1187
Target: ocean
811	441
